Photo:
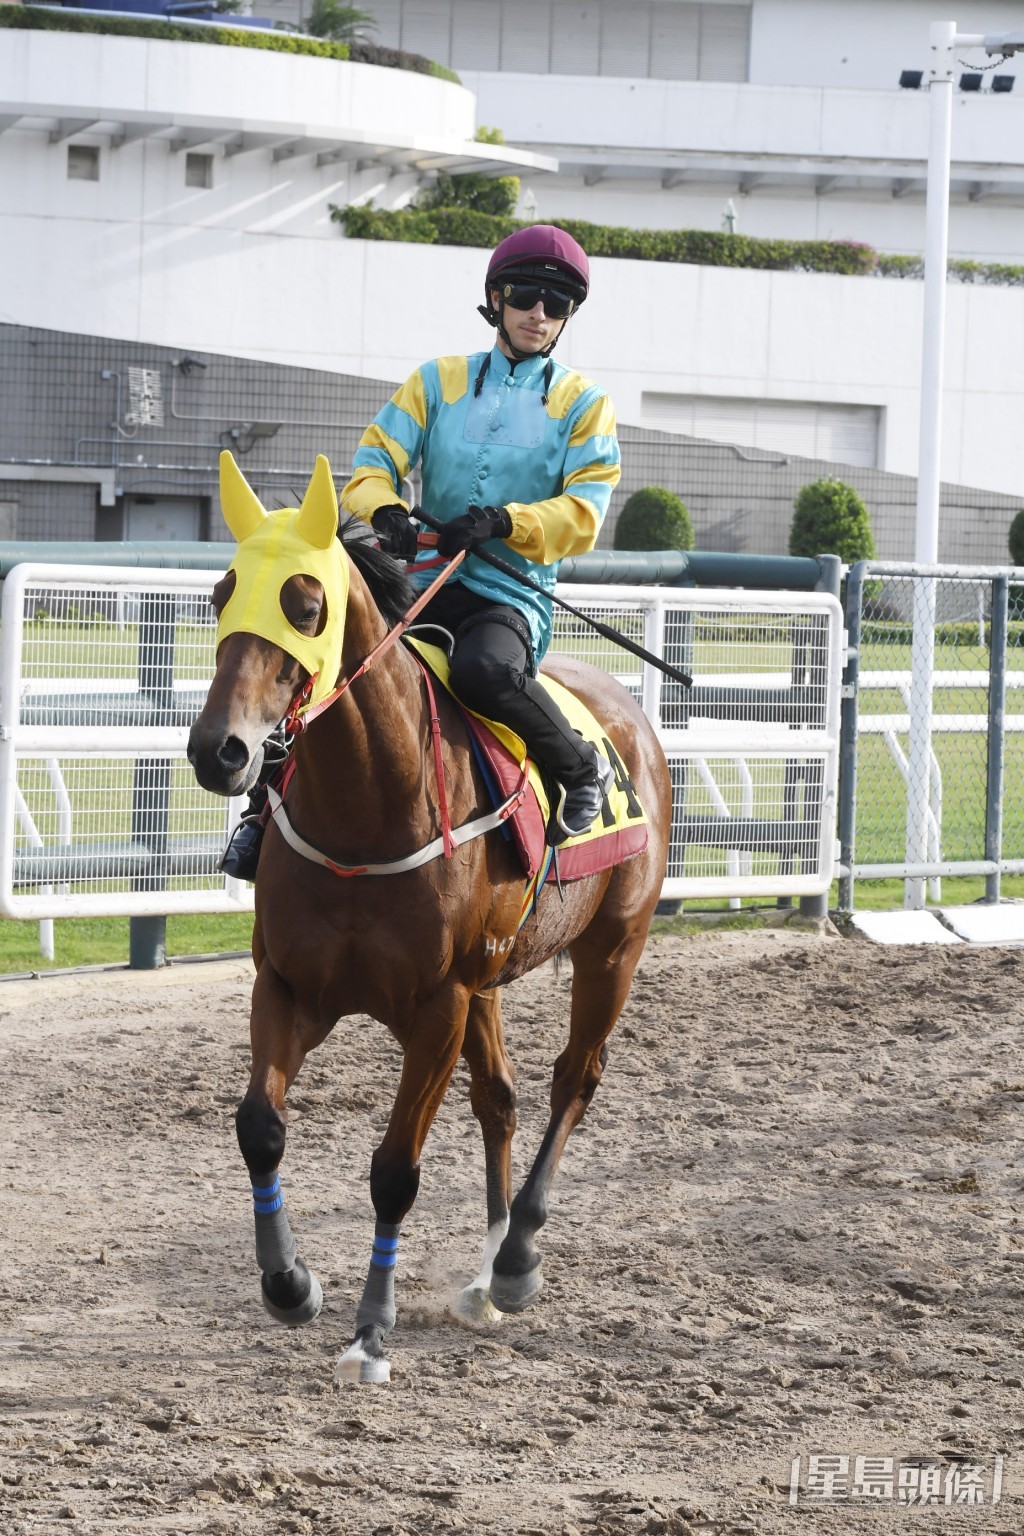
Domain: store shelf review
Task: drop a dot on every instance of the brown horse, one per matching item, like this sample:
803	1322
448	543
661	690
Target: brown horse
424	951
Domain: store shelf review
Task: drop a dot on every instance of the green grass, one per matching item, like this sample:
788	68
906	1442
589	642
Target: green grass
104	940
103	796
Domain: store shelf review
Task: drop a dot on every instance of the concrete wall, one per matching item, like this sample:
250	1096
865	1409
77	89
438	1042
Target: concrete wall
67	446
862	43
863	130
253	267
380	309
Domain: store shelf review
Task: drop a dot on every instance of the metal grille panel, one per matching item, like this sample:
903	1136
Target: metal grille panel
103	671
936	758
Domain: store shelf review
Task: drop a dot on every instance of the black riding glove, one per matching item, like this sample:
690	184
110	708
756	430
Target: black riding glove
395	532
474	527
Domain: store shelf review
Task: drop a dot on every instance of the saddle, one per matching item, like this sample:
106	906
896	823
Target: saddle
620	832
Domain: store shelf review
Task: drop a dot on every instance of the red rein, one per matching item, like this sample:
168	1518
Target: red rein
295	723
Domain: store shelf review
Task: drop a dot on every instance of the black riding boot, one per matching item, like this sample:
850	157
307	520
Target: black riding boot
579	804
493	672
242	854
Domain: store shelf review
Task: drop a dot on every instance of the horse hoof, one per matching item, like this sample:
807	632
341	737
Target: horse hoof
514	1293
475	1306
356	1365
293	1297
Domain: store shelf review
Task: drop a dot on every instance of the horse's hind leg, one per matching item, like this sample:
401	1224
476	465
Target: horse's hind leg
600	986
493	1097
291	1293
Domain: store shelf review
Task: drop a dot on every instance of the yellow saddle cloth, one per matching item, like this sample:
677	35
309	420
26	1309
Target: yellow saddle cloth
619	832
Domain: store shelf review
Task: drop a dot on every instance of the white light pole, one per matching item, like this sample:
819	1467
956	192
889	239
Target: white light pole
943	40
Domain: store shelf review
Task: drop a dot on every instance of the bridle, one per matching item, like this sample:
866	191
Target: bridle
300	714
299	718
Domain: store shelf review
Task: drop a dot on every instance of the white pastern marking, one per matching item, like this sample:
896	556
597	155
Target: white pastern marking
495	1238
356	1365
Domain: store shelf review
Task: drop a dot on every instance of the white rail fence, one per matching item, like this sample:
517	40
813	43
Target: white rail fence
103	670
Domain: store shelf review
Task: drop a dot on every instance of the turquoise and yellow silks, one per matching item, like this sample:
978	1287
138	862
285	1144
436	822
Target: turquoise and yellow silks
273	546
548	454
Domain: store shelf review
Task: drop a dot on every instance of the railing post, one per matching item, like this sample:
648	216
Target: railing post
830	580
678	642
848	734
998	629
151	783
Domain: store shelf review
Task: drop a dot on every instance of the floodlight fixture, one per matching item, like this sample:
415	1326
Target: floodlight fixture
910	79
1005	43
1001	84
970	82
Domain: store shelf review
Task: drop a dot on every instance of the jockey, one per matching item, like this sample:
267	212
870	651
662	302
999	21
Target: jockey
518	456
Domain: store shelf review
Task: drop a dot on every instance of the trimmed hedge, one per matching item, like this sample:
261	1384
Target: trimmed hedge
31	18
962	632
697	247
989	273
360	52
464	226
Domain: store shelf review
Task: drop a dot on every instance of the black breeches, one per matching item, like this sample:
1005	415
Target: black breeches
493	672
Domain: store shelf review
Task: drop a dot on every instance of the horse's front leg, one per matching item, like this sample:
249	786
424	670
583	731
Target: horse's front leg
493	1097
280	1043
432	1049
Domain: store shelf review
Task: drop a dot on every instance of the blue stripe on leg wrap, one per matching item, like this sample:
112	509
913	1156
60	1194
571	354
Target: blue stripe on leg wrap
384	1254
275	1245
377	1307
267	1198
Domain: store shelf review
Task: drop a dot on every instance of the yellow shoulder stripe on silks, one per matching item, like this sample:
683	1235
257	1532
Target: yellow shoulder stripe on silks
411	397
598	420
562	395
579	717
453	373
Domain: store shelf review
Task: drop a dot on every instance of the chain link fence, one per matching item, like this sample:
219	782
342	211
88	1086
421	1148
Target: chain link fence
932	777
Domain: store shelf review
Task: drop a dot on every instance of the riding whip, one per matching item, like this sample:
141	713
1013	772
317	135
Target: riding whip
602	629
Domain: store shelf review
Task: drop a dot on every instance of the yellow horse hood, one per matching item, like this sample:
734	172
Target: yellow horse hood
274	546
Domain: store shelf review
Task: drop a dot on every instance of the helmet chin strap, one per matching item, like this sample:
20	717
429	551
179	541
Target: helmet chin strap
496	319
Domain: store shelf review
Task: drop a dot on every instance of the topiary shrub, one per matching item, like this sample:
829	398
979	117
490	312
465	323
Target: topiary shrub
654	519
1016	543
1016	539
829	518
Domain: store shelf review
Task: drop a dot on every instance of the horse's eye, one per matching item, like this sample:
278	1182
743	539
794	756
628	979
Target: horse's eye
302	607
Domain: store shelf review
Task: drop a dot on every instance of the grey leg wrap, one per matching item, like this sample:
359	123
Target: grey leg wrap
275	1245
377	1307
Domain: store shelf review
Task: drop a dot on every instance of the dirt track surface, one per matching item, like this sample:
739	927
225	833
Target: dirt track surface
789	1226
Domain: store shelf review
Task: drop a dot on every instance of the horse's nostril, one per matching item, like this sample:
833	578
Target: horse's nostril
232	754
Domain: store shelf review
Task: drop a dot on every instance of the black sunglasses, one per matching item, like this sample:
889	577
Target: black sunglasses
557	305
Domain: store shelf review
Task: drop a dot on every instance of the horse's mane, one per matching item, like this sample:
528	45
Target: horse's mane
389	587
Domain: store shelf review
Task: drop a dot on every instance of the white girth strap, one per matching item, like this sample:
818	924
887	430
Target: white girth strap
464	834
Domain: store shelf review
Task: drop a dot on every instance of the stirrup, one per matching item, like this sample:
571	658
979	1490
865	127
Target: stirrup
580	806
241	857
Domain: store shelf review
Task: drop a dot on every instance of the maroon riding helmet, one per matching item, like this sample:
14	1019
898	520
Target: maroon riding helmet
540	254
